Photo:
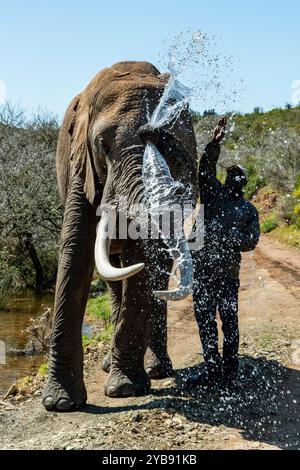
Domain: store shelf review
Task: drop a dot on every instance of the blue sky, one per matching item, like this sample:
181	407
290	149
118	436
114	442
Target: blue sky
50	50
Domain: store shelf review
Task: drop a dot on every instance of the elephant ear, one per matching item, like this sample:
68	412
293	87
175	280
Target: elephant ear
73	151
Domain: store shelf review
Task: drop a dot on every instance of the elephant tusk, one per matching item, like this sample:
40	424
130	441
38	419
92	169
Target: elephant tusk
183	260
102	246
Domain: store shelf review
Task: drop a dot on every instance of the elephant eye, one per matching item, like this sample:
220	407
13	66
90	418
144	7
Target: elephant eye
102	145
106	147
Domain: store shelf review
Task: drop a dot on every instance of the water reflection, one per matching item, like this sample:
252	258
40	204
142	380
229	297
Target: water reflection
14	319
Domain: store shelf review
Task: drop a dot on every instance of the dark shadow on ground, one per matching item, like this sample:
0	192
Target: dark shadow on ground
265	405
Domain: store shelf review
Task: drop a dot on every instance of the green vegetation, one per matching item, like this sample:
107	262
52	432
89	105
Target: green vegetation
31	210
269	224
268	146
99	307
255	180
43	370
24	384
98	285
289	234
105	337
296	209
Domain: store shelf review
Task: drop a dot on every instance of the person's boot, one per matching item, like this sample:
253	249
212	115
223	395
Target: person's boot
210	376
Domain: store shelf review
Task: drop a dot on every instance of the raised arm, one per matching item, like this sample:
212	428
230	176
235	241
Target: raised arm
207	171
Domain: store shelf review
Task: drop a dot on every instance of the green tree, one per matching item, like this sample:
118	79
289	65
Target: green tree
31	211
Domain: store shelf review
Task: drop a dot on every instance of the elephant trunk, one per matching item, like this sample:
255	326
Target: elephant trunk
183	262
159	189
162	191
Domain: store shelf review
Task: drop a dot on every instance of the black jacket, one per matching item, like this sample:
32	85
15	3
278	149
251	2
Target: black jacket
231	222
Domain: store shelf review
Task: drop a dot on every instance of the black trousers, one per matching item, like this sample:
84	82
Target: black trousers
212	292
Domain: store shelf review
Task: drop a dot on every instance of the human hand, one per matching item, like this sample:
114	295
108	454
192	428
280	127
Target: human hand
219	131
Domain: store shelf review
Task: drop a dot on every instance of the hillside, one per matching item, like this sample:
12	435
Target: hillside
268	146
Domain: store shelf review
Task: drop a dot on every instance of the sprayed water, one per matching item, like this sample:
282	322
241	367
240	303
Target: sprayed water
189	54
174	99
161	190
210	74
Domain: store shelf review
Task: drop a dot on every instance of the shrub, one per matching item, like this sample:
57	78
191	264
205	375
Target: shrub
98	286
296	211
31	210
254	183
99	307
39	331
296	217
289	234
104	336
269	224
43	370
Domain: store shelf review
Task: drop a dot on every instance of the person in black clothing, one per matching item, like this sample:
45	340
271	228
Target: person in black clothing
231	226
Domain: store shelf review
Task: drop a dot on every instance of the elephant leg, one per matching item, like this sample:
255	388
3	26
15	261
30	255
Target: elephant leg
115	293
65	389
127	374
158	364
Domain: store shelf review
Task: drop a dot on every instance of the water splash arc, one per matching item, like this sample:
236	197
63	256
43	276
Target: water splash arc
162	191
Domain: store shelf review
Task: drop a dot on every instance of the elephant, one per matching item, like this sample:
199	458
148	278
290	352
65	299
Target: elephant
99	160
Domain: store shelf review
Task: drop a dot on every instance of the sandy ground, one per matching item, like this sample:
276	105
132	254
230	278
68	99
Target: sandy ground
263	412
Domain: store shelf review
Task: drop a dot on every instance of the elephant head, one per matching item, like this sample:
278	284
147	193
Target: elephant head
100	160
106	146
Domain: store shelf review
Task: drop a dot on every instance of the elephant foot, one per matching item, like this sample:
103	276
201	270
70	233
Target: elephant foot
106	362
158	368
126	384
64	394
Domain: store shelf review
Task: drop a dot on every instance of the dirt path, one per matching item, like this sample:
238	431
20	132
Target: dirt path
262	413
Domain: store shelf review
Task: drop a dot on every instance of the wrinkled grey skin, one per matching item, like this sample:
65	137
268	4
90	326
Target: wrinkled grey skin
99	159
